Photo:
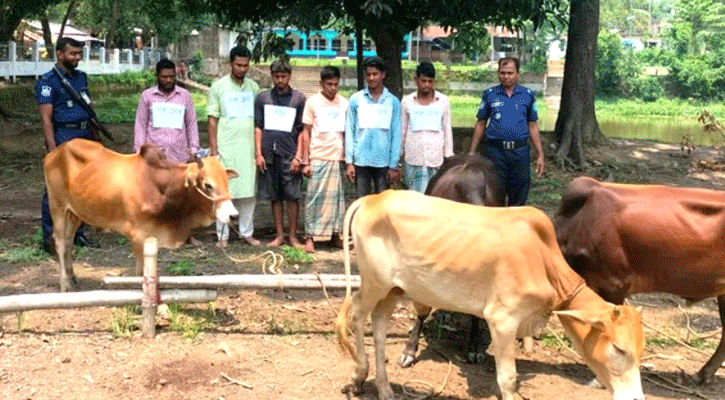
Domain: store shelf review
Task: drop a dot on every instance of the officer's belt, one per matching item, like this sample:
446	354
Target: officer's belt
507	144
72	125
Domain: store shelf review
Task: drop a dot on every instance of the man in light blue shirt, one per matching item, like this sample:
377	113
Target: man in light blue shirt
372	133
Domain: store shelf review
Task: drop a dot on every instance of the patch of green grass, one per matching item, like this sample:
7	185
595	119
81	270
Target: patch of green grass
180	268
124	321
700	343
191	323
82	251
659	341
294	255
23	253
38	236
121	240
550	340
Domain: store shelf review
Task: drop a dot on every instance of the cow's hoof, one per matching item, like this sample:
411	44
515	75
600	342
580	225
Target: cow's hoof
352	389
406	360
476	358
386	394
594	384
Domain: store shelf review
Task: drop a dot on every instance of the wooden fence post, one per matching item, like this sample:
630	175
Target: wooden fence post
150	300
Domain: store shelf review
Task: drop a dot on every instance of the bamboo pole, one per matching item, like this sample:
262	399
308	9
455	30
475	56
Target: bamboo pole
98	298
297	282
150	301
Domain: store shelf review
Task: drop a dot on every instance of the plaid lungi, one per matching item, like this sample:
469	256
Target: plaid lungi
417	176
325	200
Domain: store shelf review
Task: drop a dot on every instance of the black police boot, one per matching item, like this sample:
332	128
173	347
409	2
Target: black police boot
82	240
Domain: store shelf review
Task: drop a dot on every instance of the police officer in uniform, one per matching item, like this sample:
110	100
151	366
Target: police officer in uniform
510	110
63	118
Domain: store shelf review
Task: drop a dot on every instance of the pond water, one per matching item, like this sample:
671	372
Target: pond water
660	129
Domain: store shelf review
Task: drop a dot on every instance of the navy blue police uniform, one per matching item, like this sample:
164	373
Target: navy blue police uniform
507	137
70	121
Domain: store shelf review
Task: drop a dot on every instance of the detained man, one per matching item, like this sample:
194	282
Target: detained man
231	136
426	127
322	159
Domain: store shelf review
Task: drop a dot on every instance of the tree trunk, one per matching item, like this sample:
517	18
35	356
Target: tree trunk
47	36
65	18
112	25
577	124
9	22
388	43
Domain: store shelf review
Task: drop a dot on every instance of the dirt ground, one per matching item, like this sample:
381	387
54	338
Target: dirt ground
280	345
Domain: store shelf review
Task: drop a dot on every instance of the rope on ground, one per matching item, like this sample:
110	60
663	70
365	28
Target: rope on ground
327	296
272	262
672	386
432	392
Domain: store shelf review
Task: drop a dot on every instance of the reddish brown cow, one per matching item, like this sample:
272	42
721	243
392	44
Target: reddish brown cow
624	239
137	195
472	179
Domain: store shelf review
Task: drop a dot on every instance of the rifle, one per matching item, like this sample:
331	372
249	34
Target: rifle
95	123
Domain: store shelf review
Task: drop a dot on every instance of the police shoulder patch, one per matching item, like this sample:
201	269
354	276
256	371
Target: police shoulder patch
45	91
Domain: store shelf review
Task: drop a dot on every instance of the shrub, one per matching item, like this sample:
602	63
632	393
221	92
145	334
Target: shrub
649	88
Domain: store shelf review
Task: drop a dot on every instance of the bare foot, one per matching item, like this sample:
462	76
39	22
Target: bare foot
222	244
309	246
278	241
252	241
295	243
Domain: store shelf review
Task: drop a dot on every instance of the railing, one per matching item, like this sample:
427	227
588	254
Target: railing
18	60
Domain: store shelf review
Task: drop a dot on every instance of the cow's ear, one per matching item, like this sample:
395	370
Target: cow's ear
231	174
584	316
192	172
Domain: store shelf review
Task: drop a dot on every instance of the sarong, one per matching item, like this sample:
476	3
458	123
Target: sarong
325	200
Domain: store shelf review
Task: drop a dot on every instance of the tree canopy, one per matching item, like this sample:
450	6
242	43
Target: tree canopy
13	11
387	21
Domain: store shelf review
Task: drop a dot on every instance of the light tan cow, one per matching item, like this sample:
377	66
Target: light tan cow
502	264
137	195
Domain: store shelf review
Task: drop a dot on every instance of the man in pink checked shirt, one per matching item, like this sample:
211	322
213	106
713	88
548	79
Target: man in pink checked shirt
166	117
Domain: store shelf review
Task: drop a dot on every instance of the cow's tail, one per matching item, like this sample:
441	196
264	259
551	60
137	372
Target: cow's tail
341	323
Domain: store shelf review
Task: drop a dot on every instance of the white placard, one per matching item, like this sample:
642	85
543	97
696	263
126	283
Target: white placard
330	119
425	118
278	118
238	104
167	115
375	116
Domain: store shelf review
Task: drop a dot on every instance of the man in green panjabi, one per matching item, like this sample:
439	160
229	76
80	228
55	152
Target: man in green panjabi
231	135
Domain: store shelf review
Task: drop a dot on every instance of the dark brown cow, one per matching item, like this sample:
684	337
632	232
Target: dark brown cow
137	195
472	179
624	239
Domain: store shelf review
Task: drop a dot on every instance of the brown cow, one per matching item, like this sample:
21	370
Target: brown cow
624	239
472	179
501	264
137	195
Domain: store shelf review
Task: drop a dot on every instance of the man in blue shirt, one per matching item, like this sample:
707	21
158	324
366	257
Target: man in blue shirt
63	118
510	111
372	133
